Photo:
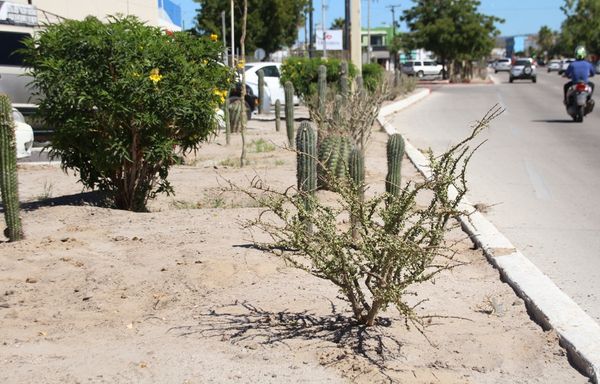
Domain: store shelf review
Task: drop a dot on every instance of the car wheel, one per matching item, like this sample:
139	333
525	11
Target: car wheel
534	79
420	74
495	71
510	79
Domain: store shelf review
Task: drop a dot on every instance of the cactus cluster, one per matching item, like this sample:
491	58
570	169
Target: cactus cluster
395	152
8	171
261	91
289	111
333	159
236	116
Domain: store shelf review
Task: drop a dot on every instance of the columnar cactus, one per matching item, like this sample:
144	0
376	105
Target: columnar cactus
227	122
344	79
333	159
306	169
338	107
322	88
8	171
359	83
356	170
261	91
397	78
235	116
277	115
395	152
289	111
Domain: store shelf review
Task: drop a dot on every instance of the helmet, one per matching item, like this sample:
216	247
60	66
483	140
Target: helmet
580	53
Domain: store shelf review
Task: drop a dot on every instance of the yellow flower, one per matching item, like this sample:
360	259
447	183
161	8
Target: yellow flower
241	64
221	94
214	37
155	76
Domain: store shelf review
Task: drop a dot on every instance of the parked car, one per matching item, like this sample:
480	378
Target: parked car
564	64
502	65
523	69
597	67
13	79
273	87
422	68
23	134
553	65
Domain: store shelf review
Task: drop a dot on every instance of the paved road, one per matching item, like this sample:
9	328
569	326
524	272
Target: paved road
539	172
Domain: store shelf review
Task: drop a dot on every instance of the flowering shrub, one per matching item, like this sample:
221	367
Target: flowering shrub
304	73
121	96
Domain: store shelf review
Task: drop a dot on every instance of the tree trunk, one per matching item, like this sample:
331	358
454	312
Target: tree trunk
243	93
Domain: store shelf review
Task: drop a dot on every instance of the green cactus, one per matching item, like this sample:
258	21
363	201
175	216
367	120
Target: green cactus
277	115
356	171
338	107
306	169
395	152
227	122
289	111
344	79
333	159
322	88
8	171
261	90
359	83
235	116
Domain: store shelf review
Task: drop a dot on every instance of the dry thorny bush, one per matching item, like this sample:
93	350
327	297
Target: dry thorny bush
401	242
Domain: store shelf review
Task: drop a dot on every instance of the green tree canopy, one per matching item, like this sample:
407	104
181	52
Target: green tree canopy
451	29
581	27
338	23
545	39
272	24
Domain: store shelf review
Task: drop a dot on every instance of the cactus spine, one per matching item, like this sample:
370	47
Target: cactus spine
306	169
289	111
235	116
227	122
356	170
277	115
344	79
395	152
261	91
8	171
322	89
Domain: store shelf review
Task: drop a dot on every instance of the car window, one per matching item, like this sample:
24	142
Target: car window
522	62
270	71
408	64
428	63
9	43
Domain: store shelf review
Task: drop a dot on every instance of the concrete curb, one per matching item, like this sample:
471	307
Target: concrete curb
578	333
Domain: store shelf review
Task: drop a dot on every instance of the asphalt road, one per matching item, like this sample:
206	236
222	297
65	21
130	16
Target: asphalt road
538	172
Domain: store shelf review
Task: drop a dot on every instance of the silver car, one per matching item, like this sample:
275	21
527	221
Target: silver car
13	79
523	69
502	65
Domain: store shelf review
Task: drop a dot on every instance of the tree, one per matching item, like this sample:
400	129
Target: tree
122	96
338	23
545	40
452	29
271	24
581	26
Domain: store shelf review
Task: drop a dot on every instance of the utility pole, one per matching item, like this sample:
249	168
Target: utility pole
393	8
347	25
310	29
355	37
232	38
225	55
323	10
369	48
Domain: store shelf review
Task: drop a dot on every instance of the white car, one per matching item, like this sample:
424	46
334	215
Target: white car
553	65
273	86
24	135
564	64
503	65
421	68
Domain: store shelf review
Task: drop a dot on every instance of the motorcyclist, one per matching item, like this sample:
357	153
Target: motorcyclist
579	70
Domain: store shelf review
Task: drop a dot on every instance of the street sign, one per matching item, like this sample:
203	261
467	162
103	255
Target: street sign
259	54
333	40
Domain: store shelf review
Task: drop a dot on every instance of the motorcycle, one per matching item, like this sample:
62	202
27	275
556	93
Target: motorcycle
579	101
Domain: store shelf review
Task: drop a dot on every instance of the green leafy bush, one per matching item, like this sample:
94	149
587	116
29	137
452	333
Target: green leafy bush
304	73
372	76
122	96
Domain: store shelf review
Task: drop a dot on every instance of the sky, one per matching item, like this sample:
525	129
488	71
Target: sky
521	16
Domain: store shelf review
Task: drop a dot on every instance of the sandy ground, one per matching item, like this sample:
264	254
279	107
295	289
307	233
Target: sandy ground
96	295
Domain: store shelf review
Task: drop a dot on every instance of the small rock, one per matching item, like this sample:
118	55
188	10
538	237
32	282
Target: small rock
31	280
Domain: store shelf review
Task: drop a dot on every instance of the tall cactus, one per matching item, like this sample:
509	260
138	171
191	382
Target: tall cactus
344	79
277	115
395	152
306	169
261	91
227	122
359	83
356	171
322	89
235	116
8	171
333	159
338	107
289	111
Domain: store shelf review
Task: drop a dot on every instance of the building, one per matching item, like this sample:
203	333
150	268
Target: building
160	13
381	37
